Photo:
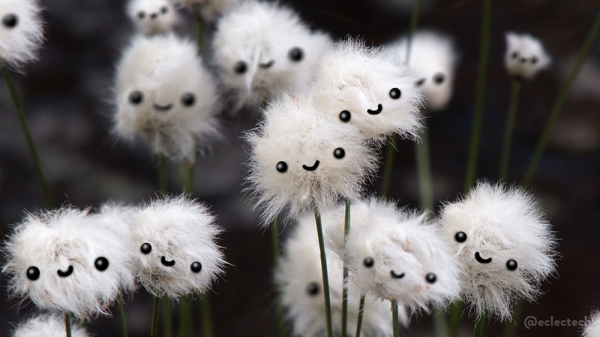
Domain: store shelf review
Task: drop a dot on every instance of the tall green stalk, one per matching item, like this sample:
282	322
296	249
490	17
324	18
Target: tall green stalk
480	325
324	272
344	287
424	171
275	245
122	315
186	326
510	126
167	317
395	320
162	173
68	325
205	311
155	310
361	308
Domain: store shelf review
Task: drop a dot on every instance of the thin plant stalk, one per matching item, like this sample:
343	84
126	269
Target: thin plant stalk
68	325
480	325
207	327
167	317
456	310
484	47
185	313
510	126
344	284
122	315
30	143
155	310
560	102
361	308
510	329
324	272
162	173
424	171
395	320
275	245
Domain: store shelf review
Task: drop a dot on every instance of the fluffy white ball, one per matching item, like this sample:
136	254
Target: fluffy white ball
299	159
593	329
209	10
362	86
166	96
175	249
67	260
21	31
504	244
47	326
263	49
525	56
152	16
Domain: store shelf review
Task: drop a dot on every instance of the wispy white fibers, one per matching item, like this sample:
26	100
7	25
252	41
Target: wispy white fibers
299	159
152	16
67	260
165	96
21	31
299	277
262	49
504	244
525	56
47	326
593	329
362	86
397	255
209	10
175	248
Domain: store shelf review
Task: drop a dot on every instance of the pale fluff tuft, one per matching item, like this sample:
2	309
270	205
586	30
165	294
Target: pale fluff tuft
64	248
165	96
502	224
295	137
152	16
263	49
593	329
411	262
525	56
21	31
359	85
299	279
209	10
47	326
180	232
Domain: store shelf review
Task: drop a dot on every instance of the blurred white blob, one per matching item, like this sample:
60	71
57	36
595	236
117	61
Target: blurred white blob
362	86
69	261
152	16
209	10
504	244
593	329
301	160
47	326
165	96
525	56
263	49
21	31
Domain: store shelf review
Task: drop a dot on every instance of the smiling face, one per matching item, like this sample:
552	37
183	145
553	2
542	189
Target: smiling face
152	16
20	31
525	56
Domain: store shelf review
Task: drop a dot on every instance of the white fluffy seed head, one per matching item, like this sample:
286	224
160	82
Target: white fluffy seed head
263	49
299	159
593	329
152	16
47	326
299	279
209	10
504	230
21	31
165	96
525	56
175	249
56	259
397	255
359	85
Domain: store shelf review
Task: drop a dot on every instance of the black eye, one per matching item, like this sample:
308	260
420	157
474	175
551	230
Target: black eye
282	167
10	21
188	99
101	263
512	265
420	82
153	16
240	67
460	237
164	10
196	267
439	78
146	248
312	289
431	278
345	116
534	60
339	153
141	15
515	55
296	54
33	273
368	262
395	93
136	97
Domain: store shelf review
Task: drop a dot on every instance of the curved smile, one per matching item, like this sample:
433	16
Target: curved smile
311	168
396	276
162	107
376	112
65	273
267	65
167	263
482	260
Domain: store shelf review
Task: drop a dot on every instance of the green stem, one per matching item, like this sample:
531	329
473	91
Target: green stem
510	329
167	317
122	315
68	325
275	245
25	126
162	173
361	308
207	328
395	320
188	180
479	96
440	322
480	325
324	272
414	20
344	287
155	310
510	126
390	153
455	317
199	31
424	171
185	317
560	102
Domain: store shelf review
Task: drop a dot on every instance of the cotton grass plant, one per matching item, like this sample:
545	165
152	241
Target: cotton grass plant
152	16
47	326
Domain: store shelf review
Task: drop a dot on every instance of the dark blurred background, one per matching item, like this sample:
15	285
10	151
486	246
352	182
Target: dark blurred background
67	96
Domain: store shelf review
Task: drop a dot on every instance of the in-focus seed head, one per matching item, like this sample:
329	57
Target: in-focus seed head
47	326
182	234
209	10
593	329
377	93
21	31
165	96
525	56
292	132
152	16
64	246
501	224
